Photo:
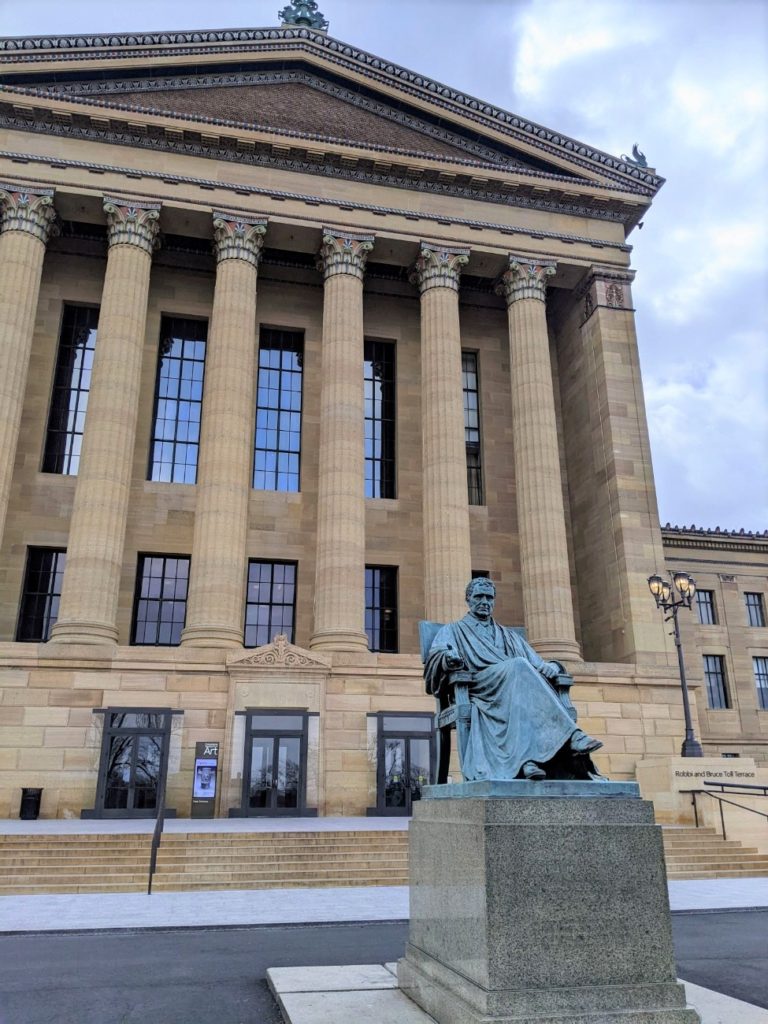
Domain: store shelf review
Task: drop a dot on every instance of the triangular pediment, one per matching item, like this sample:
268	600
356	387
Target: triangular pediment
280	654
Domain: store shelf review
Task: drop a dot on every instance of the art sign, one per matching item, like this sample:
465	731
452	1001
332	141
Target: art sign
204	779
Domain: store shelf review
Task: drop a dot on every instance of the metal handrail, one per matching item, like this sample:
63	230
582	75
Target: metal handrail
156	835
721	800
738	785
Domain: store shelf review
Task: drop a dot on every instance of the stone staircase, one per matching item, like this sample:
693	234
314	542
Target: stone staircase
113	862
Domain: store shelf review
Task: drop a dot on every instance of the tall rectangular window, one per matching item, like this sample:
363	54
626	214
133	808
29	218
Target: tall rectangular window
379	382
270	606
71	384
278	411
760	666
381	608
160	605
472	427
705	607
755	609
178	400
714	676
40	594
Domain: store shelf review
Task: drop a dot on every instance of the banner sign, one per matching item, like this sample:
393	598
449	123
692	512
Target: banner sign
204	779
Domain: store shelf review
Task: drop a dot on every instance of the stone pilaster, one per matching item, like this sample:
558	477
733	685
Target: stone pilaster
340	568
26	219
215	601
547	599
88	608
447	561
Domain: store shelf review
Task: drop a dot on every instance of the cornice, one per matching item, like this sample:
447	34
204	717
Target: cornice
713	539
63	48
309	199
527	195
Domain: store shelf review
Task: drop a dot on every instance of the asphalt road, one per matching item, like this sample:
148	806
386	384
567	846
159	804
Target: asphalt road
217	976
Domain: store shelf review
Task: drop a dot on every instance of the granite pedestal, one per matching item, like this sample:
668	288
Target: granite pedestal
540	903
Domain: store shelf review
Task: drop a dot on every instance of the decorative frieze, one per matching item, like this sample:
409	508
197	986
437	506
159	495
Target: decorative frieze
438	266
608	287
525	278
240	238
344	253
27	209
130	223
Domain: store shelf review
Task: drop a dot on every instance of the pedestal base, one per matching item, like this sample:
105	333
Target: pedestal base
541	909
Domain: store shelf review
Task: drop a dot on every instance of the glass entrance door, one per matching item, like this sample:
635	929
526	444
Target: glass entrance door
274	779
134	760
405	761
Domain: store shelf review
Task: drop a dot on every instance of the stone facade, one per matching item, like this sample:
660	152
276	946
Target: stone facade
416	245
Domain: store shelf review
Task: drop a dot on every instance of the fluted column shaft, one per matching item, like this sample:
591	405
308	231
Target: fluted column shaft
447	561
89	599
546	580
26	218
216	597
340	567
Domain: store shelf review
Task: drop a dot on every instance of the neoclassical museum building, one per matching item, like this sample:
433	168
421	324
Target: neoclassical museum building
293	342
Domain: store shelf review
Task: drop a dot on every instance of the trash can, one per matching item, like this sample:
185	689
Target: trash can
29	809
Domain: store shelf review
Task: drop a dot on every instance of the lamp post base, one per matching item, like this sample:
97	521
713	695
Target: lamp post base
691	748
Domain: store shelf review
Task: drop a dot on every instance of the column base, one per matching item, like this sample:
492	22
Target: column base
83	633
339	640
557	650
211	636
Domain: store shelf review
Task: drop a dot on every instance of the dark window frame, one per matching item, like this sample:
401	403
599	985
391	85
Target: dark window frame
380	607
141	557
709	607
49	595
716	682
382	732
168	334
271	605
473	445
262	411
381	470
760	673
62	448
755	609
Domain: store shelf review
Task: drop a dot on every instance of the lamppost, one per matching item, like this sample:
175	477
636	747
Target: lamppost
664	596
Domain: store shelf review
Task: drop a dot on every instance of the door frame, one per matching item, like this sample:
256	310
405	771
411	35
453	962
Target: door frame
381	810
301	810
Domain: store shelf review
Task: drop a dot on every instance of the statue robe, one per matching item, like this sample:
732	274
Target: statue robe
516	714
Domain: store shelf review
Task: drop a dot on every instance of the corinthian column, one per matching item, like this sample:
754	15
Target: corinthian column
217	571
340	568
26	218
447	563
546	578
88	608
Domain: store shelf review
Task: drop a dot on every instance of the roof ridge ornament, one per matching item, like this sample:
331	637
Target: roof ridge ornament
304	12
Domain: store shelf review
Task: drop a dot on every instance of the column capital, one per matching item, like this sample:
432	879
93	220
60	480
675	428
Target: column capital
344	253
27	209
132	223
525	278
238	238
608	287
438	266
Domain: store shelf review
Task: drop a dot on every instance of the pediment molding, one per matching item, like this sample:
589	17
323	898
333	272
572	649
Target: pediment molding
278	655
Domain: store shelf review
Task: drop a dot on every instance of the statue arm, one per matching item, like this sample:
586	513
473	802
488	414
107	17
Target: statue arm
441	655
549	669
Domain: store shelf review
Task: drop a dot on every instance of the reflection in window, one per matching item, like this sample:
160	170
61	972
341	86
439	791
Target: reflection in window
178	400
71	385
135	743
161	600
714	675
381	607
760	666
705	607
278	411
755	610
379	383
40	595
472	427
270	602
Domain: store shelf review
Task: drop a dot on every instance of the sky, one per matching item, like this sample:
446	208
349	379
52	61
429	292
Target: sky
685	79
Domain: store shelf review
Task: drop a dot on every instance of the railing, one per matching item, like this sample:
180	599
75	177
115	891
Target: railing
156	835
759	791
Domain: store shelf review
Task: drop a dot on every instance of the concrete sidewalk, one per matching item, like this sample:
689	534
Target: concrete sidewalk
233	908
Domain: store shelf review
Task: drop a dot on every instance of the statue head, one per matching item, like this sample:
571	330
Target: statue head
480	595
